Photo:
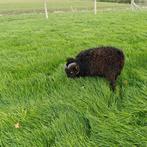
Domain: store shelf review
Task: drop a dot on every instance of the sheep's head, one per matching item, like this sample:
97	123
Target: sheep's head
72	68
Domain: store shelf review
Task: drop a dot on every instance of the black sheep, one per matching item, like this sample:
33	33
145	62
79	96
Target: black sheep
107	62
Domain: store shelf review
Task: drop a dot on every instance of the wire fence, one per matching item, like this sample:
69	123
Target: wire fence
8	7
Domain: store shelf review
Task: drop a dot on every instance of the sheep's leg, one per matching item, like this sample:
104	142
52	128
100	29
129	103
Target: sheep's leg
112	84
112	80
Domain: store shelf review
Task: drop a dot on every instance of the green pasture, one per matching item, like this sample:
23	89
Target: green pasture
40	106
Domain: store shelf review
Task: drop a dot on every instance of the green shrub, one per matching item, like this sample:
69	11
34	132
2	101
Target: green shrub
122	1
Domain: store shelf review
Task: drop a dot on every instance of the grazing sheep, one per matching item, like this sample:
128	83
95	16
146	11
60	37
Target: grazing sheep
102	61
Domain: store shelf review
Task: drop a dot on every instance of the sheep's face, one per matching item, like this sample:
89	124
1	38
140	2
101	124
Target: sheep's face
72	69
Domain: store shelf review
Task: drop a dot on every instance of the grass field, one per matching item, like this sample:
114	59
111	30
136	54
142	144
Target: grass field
40	106
37	6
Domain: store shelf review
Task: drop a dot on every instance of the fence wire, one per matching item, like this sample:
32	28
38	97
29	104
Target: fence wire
62	6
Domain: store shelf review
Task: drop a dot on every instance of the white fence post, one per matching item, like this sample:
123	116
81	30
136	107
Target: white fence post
134	5
95	7
45	8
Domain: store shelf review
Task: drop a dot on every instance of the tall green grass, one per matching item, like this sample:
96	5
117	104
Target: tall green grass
53	110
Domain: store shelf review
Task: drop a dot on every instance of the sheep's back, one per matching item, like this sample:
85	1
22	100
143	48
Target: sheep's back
100	61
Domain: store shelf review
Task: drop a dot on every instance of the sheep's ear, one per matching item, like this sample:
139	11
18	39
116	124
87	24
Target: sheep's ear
70	60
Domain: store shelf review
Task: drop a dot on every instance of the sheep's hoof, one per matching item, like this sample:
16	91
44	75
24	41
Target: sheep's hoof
112	86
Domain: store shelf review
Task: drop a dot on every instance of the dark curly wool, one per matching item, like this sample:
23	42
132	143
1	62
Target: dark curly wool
107	62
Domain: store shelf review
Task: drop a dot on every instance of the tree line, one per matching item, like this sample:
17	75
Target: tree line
122	1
